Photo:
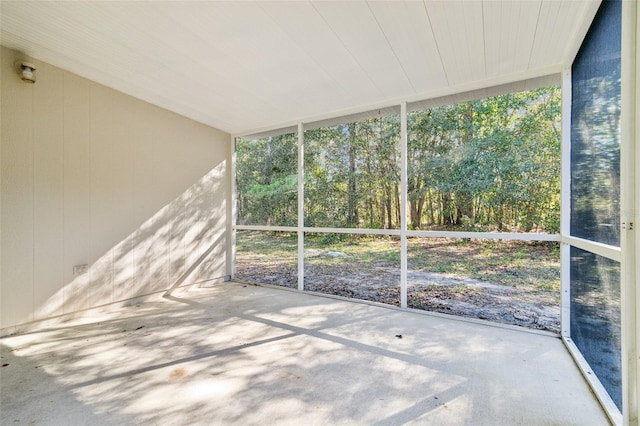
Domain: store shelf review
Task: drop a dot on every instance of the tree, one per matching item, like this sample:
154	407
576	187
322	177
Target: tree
489	164
266	180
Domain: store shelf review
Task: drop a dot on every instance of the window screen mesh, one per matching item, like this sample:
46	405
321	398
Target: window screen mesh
595	197
595	316
267	180
595	130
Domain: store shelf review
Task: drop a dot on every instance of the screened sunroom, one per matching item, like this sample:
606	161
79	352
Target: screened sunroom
328	212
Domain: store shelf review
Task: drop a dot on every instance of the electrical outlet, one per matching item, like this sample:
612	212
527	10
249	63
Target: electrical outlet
80	269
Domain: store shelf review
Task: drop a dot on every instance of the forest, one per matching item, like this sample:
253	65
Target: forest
483	165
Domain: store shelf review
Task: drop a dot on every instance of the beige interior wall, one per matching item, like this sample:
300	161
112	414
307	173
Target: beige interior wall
92	176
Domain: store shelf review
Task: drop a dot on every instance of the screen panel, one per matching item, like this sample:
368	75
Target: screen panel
352	174
595	130
365	267
489	164
595	317
510	282
267	180
595	197
266	257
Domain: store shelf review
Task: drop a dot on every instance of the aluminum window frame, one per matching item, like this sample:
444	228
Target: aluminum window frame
404	108
626	254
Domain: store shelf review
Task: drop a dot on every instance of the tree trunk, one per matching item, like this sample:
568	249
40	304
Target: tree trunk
352	204
370	194
447	209
432	214
464	207
388	201
415	207
397	198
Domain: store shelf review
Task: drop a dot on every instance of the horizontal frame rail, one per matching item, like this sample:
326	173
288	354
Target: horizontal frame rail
604	250
398	232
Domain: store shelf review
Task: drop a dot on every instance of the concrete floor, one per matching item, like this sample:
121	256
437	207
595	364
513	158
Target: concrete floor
240	354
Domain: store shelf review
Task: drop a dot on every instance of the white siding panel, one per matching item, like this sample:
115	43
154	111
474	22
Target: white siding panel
163	174
77	189
184	72
305	26
244	80
510	28
545	36
356	26
16	173
211	241
558	24
406	27
101	205
48	135
177	244
194	210
146	258
143	188
249	55
92	176
126	201
207	200
263	50
458	29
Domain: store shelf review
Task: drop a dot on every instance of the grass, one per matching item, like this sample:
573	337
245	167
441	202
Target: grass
546	286
534	266
264	245
453	276
510	263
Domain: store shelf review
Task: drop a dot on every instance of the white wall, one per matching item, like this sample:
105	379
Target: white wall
92	176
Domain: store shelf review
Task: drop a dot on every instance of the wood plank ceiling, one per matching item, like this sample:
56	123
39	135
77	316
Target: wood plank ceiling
240	66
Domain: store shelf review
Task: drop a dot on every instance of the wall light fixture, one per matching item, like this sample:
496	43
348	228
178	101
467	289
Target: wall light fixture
27	71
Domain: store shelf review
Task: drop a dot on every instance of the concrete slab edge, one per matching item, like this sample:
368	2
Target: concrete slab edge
478	321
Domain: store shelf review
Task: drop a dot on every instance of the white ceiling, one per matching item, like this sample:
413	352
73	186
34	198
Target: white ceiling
244	66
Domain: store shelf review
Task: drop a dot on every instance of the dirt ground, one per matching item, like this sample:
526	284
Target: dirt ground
430	291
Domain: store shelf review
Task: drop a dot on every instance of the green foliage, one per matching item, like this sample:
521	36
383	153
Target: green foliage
595	158
483	165
266	180
353	174
277	187
270	244
492	164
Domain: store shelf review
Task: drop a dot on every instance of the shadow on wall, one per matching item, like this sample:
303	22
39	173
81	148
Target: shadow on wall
183	243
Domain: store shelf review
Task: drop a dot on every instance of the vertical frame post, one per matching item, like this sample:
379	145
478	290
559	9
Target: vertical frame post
300	207
565	207
403	204
628	213
232	212
636	215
